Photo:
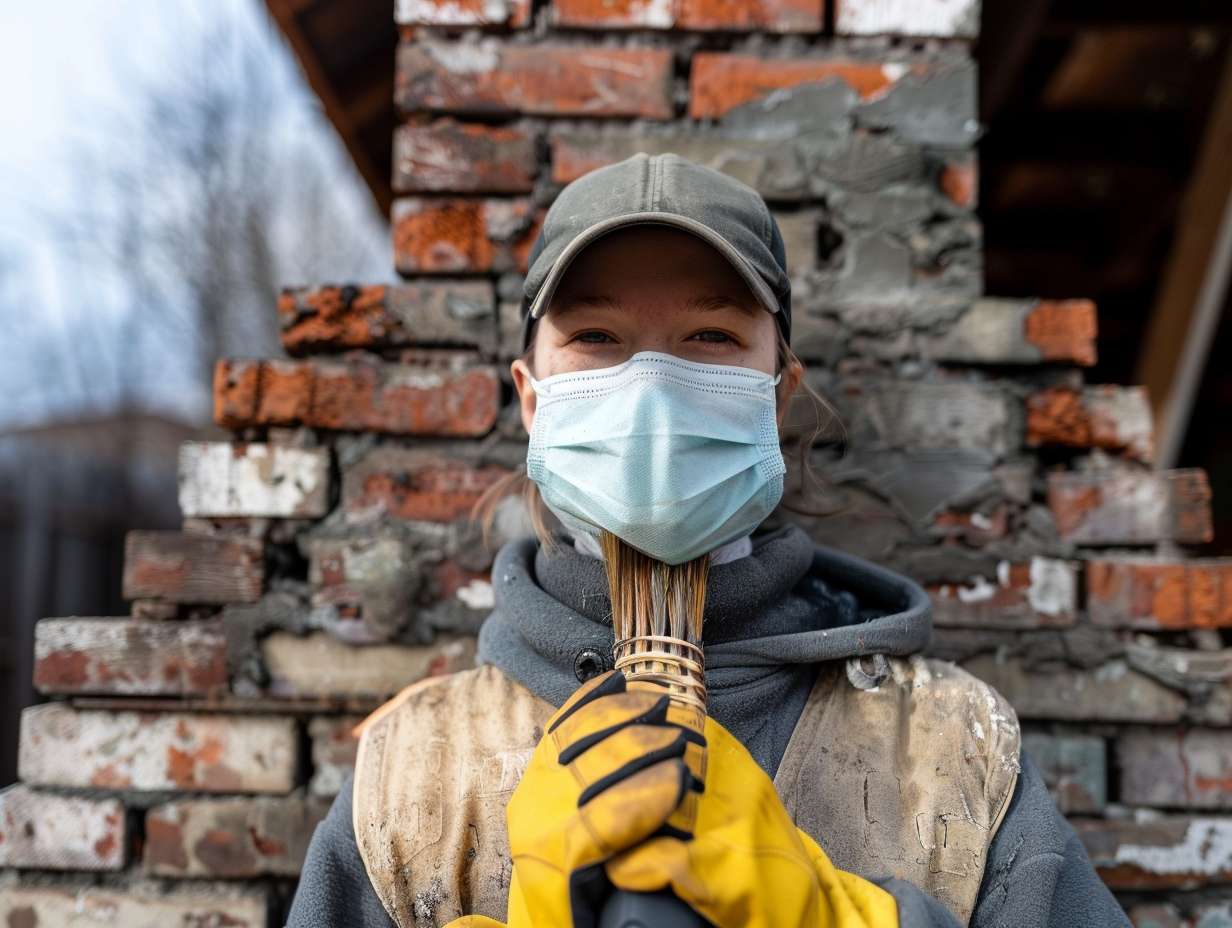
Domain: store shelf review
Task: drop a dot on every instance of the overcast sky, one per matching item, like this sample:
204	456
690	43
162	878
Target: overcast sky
70	73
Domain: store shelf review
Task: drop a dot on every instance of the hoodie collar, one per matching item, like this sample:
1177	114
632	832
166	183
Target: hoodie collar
790	602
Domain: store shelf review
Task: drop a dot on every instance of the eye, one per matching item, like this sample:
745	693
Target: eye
593	337
713	335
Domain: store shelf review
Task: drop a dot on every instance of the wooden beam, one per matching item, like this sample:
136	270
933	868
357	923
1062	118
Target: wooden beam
1091	135
285	13
375	100
1194	282
1007	35
1084	13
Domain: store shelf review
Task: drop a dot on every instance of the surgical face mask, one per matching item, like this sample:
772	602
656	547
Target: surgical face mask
675	458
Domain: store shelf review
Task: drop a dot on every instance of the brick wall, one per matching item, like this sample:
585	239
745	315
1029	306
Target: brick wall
325	559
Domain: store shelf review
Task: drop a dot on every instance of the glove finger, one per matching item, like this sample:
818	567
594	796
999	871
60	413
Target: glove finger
649	866
634	748
604	717
616	819
604	684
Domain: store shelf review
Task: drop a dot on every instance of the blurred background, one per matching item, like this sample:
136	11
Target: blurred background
169	165
167	168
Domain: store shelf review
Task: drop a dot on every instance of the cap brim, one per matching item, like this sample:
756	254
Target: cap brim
755	281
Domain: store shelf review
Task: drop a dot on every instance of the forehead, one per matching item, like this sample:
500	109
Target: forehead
653	262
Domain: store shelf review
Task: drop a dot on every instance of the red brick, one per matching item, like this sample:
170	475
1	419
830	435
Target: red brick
285	392
192	568
44	831
960	180
1035	594
129	657
440	235
418	313
421	485
512	13
1063	330
1131	507
132	904
1180	769
62	746
729	15
361	395
1159	594
1111	417
237	385
153	610
230	838
446	156
1159	853
547	80
334	745
721	81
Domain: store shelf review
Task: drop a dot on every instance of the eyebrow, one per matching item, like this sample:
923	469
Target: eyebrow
701	303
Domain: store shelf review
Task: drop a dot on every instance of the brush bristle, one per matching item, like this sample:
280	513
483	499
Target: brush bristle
653	598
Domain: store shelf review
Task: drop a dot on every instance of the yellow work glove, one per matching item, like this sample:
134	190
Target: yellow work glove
747	864
618	763
610	797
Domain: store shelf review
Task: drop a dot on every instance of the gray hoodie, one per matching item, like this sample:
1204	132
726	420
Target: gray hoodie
770	618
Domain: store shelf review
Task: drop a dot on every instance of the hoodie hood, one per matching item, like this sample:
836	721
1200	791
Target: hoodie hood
770	619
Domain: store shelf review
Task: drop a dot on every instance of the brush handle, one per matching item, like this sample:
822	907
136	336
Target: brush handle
625	909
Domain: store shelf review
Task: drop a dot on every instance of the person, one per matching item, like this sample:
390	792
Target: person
656	372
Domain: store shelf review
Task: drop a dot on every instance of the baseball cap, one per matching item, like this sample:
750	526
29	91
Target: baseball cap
665	189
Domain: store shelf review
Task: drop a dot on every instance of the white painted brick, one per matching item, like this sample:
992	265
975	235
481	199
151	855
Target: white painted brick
943	18
62	746
219	479
45	831
139	904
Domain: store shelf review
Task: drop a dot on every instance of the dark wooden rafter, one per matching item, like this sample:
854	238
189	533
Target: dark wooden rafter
350	108
1005	45
1194	282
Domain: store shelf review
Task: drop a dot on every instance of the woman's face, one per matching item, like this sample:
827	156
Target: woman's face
651	288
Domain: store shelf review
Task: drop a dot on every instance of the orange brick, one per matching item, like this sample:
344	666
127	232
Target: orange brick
447	156
423	312
286	392
1063	330
369	396
960	180
719	82
414	484
1112	417
547	80
444	235
1150	593
728	15
1131	507
236	388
